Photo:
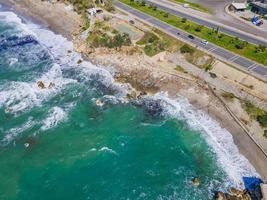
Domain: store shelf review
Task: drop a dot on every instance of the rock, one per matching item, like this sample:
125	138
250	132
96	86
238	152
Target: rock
51	85
195	181
41	85
98	102
236	192
79	61
220	196
8	110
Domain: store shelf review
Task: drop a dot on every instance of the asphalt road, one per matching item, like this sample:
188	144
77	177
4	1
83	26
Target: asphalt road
245	64
209	24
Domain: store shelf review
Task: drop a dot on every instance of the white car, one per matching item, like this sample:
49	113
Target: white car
205	42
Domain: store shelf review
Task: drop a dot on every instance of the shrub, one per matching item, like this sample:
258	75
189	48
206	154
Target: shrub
262	119
199	28
166	15
184	20
186	49
265	133
143	3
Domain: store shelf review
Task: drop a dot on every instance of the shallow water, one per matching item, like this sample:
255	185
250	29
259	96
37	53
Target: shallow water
56	143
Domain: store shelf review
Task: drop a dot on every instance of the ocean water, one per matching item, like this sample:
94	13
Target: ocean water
56	143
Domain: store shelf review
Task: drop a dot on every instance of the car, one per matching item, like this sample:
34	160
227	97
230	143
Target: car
191	37
178	33
205	42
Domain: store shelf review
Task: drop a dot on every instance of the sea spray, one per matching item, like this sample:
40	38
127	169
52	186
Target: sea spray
220	140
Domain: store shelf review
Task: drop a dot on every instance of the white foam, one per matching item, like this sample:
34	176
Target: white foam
21	96
220	140
56	115
106	149
12	133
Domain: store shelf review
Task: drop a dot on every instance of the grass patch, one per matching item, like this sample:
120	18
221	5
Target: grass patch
179	68
193	5
251	51
256	113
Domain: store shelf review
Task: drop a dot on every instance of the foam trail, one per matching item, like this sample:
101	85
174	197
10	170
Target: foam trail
12	133
56	115
220	140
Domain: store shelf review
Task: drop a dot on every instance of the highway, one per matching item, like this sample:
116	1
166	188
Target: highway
243	63
209	24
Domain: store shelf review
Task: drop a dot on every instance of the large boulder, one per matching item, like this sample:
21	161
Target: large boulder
41	84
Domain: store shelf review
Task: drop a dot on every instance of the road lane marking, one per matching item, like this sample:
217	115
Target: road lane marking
252	67
212	49
234	58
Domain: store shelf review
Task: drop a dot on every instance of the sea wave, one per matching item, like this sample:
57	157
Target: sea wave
220	140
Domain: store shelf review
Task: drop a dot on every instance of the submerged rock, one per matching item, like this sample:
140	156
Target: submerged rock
51	85
195	181
41	84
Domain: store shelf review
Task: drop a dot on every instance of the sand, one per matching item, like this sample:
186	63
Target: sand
139	69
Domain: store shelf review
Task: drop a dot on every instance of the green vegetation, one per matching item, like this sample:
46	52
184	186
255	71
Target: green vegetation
153	44
251	51
256	113
105	36
193	5
98	39
187	49
179	69
265	133
228	96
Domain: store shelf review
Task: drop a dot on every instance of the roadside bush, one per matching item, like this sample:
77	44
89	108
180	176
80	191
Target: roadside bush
260	48
199	28
241	45
186	49
265	134
143	3
184	20
262	119
166	15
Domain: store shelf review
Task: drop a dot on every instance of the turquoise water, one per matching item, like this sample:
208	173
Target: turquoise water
56	143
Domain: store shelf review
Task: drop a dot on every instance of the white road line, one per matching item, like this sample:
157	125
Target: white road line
233	58
253	66
251	69
212	49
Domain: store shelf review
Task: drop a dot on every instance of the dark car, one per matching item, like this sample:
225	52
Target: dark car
131	21
178	33
191	37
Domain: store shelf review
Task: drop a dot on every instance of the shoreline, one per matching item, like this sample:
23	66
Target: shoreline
197	93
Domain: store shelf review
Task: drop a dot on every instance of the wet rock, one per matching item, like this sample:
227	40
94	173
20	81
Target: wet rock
236	192
220	196
41	84
100	103
79	61
195	181
51	85
153	108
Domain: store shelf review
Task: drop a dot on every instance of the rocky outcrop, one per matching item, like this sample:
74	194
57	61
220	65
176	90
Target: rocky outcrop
234	194
195	181
51	85
41	84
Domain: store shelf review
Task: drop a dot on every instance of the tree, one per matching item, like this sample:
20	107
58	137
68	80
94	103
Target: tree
166	15
143	3
184	20
260	48
199	28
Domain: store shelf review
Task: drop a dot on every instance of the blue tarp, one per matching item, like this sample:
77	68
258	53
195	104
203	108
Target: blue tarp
251	183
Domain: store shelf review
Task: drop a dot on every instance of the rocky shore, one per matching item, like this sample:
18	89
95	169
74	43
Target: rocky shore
149	76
